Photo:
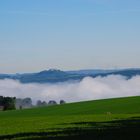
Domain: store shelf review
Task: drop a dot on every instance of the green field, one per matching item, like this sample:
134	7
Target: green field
101	119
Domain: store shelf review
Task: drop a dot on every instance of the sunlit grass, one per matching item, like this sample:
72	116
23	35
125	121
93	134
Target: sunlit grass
68	115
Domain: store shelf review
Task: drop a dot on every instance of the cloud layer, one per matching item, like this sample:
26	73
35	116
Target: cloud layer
87	89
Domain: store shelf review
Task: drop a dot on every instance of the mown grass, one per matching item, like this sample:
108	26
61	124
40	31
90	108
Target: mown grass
92	114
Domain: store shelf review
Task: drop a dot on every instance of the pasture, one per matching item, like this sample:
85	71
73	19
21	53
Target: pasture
100	119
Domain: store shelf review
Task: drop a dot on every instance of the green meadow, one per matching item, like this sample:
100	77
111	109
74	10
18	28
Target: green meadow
117	118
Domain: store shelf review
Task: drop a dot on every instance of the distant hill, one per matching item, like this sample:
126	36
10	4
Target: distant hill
54	76
128	73
90	71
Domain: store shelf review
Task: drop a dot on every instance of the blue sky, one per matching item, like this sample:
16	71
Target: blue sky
68	34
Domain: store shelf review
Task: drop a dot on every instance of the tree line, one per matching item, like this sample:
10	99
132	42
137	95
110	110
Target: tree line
27	103
7	103
11	103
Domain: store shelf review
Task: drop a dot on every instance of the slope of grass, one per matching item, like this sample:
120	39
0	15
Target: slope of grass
129	105
74	115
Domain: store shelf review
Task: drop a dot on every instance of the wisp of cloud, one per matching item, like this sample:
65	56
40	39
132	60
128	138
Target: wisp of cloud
87	89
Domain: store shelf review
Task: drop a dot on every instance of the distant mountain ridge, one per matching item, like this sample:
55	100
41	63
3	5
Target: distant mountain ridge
55	76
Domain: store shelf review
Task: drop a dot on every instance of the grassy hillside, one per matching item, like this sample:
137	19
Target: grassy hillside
129	105
83	115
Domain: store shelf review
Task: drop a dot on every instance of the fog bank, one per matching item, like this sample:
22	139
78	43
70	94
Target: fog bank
87	89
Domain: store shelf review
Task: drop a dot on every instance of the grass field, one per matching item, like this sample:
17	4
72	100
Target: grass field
101	119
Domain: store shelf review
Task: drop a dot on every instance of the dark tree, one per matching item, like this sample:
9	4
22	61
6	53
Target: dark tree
7	102
1	100
52	102
27	102
62	102
44	103
39	103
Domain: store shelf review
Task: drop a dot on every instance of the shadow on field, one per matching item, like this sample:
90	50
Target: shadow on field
114	130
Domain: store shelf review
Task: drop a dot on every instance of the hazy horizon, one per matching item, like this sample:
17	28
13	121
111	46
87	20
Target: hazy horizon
68	70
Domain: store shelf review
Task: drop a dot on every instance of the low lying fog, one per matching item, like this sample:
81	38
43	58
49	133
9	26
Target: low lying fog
87	89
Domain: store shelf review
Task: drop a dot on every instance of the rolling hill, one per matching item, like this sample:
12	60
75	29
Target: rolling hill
75	120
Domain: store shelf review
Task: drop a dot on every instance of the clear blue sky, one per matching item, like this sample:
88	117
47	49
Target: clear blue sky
68	34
